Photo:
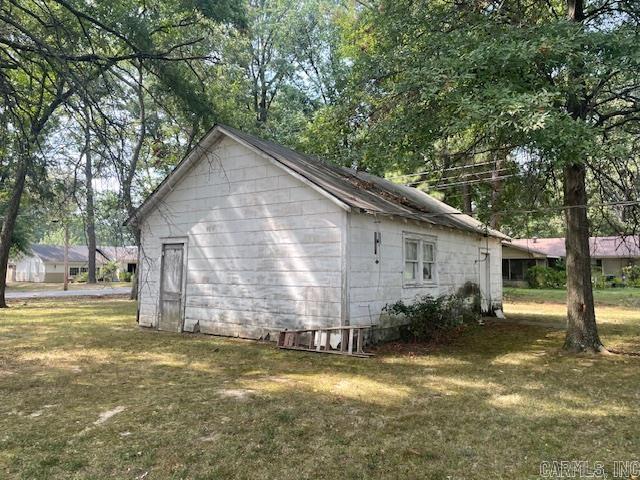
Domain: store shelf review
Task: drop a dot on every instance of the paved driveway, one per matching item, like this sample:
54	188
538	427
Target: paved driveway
102	292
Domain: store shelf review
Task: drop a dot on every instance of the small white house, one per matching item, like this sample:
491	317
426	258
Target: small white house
45	263
246	238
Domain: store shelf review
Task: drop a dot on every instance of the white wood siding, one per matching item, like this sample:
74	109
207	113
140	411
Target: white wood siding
372	285
264	249
31	269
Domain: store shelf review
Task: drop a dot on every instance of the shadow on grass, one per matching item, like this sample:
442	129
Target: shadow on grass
494	403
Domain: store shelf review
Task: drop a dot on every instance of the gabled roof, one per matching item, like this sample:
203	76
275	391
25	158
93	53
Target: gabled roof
600	247
55	253
128	254
525	247
349	188
80	253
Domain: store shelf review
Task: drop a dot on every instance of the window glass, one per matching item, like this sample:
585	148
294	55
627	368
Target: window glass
427	271
411	250
419	260
428	252
410	270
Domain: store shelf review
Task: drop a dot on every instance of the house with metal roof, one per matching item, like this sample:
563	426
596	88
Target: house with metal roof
609	255
45	263
246	237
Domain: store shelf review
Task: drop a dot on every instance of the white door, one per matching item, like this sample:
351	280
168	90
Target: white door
485	280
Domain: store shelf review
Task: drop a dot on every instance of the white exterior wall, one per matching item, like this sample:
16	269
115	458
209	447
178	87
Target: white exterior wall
614	266
264	250
33	269
372	285
30	269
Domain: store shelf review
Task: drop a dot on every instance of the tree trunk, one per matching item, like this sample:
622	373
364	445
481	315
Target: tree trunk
65	280
90	208
495	220
582	332
467	206
133	295
130	175
11	215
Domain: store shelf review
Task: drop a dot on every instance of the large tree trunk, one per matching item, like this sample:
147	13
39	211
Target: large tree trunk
11	215
582	332
90	209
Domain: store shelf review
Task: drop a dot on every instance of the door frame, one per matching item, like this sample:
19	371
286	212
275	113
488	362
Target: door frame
183	298
484	262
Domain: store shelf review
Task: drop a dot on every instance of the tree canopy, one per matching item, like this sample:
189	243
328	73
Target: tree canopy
525	115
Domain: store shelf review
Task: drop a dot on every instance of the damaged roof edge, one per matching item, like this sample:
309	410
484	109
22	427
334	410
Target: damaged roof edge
346	187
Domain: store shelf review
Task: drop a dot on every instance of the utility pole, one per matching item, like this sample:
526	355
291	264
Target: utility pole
65	285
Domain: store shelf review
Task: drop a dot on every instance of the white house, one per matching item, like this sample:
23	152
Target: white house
246	238
45	263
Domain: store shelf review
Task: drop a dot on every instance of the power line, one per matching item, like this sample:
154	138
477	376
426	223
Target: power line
444	180
466	182
545	209
460	167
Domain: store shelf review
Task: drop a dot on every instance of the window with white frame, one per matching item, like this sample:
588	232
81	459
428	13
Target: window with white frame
419	259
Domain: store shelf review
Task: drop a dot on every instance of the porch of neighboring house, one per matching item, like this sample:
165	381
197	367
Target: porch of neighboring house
514	270
517	260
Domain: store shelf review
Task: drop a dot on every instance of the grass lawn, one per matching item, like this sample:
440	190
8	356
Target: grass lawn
39	287
624	297
88	395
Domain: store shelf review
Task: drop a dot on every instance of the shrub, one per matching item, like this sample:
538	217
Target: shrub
546	277
125	276
632	273
82	277
599	280
428	317
108	271
617	282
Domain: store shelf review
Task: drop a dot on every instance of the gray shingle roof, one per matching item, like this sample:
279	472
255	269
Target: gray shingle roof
126	254
80	253
55	253
360	190
600	247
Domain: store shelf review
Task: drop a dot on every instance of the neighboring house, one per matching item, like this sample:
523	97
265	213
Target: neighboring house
11	272
246	238
517	257
609	255
45	263
125	257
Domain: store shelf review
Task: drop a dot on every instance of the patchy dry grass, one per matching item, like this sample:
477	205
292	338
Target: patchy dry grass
86	394
40	287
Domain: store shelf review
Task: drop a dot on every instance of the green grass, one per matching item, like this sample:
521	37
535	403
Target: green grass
493	404
624	297
39	287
